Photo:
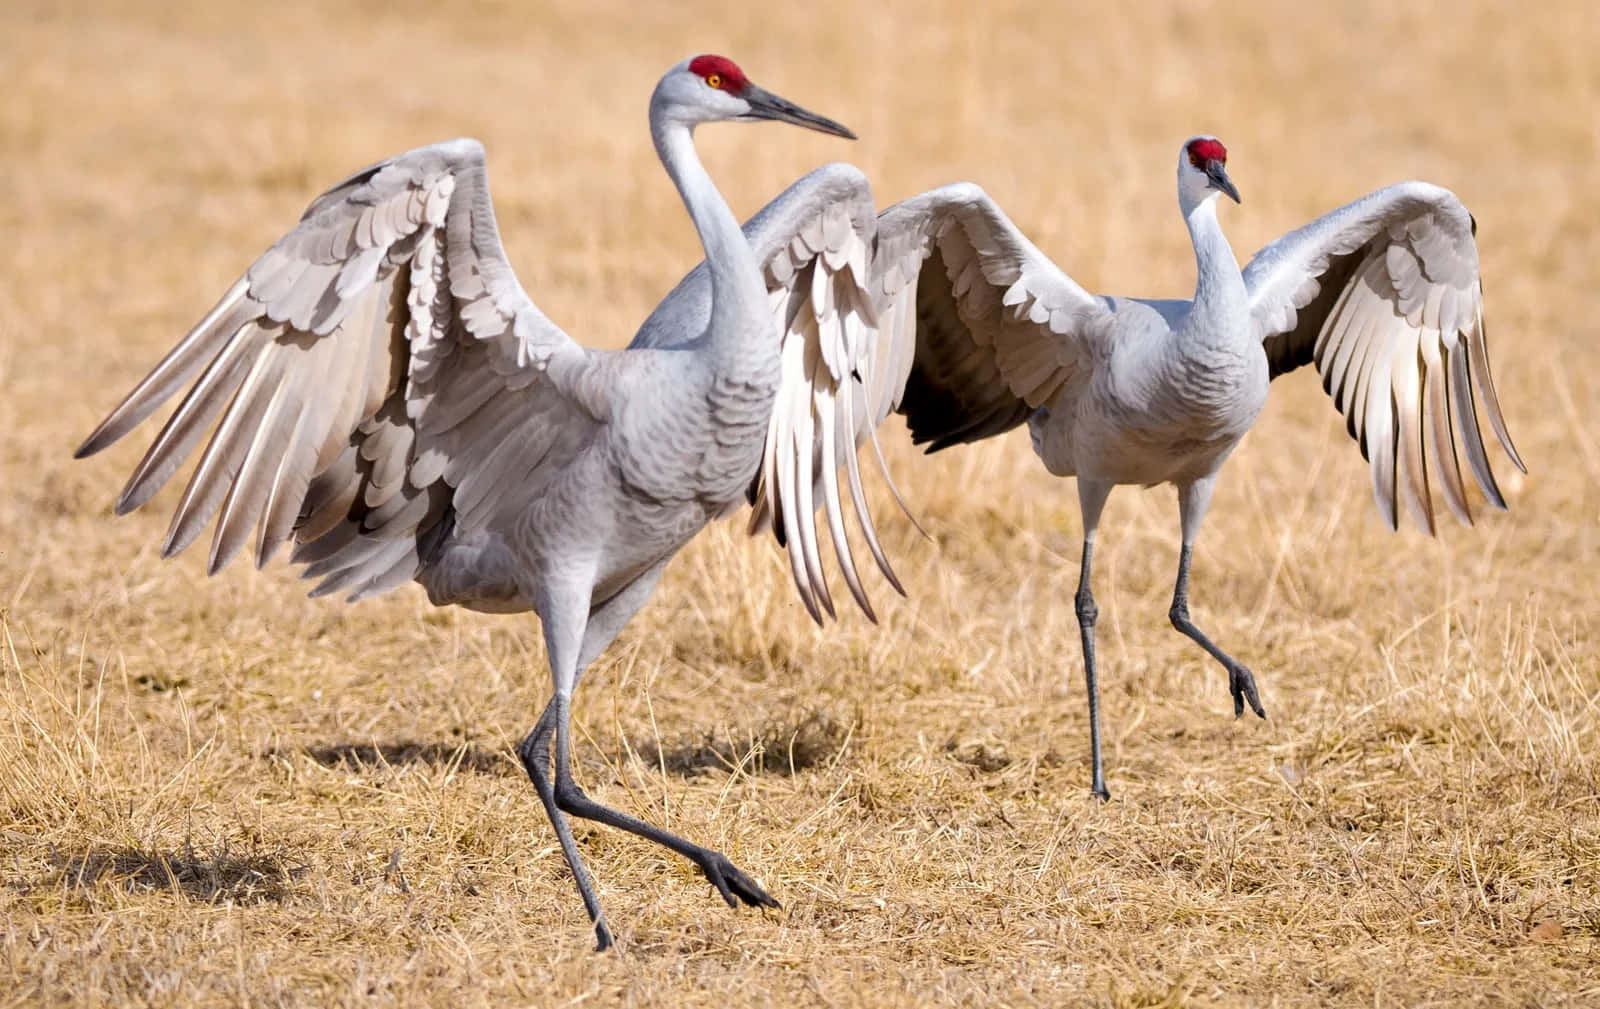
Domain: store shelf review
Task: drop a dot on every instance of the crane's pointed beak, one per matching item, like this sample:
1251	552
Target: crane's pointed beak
766	105
1217	172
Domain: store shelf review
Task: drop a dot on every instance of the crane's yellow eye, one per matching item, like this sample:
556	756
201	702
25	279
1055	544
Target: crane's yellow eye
715	80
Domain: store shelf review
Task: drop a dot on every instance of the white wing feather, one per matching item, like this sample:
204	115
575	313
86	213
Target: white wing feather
815	245
1383	296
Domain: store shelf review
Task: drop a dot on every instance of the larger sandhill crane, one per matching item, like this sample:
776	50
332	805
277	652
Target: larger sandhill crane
1381	295
391	399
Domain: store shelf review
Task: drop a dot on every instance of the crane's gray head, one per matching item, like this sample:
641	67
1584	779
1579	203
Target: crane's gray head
1203	171
710	89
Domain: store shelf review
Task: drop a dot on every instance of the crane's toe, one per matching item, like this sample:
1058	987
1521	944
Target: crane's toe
1243	686
602	936
732	883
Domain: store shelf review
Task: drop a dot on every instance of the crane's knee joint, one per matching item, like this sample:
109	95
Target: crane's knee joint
1179	615
1088	612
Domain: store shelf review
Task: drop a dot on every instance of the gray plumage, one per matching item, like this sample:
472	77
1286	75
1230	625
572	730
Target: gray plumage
980	332
384	394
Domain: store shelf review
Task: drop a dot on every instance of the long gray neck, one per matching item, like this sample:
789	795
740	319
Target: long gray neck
738	296
1221	305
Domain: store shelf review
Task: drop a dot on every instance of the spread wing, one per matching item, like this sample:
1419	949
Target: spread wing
358	378
939	308
956	320
841	374
1383	296
1000	329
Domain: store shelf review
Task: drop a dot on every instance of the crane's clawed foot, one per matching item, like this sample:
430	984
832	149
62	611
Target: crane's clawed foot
733	883
1243	686
602	935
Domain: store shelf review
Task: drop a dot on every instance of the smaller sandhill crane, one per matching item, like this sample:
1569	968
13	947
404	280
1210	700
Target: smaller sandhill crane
1381	295
391	400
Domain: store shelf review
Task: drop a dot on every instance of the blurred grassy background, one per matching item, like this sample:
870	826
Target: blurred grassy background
218	792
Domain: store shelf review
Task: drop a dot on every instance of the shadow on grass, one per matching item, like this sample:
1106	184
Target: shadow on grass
783	746
443	756
213	878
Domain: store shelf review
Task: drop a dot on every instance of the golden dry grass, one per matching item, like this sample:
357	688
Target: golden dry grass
220	793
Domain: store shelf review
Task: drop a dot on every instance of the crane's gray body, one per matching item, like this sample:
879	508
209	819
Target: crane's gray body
1159	407
669	447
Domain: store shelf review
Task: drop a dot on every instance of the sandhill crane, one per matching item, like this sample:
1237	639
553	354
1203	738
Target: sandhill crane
980	332
391	399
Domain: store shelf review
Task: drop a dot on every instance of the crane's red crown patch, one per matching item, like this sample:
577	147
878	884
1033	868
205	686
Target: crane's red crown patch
1206	149
720	72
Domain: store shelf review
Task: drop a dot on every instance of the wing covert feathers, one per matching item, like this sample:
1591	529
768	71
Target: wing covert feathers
346	378
939	308
1383	297
838	379
1000	329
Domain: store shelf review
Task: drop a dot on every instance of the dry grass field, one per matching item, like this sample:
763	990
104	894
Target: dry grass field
218	792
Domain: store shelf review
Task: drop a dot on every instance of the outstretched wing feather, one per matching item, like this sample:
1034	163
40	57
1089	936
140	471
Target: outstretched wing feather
1383	297
320	368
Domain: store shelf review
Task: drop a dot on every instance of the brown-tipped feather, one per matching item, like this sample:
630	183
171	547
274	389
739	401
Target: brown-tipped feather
194	416
1479	359
1435	388
272	441
1406	383
804	439
223	456
1378	430
1467	425
192	353
830	497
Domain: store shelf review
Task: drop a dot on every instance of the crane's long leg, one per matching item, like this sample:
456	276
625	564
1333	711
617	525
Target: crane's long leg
602	627
1092	496
604	624
563	614
1193	499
